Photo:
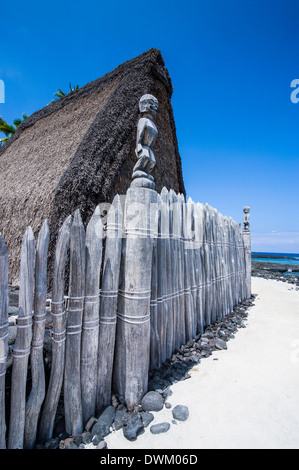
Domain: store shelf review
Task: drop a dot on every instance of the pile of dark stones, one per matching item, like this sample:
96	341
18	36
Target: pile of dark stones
133	423
275	271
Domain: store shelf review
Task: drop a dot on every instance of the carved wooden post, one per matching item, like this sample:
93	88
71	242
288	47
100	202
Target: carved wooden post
3	336
242	257
58	333
108	306
72	376
21	349
133	322
90	327
247	247
37	393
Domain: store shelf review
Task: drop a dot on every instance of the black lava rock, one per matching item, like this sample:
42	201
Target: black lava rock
102	426
152	401
180	412
133	426
159	428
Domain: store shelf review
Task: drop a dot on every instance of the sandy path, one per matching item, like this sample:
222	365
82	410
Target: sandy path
249	397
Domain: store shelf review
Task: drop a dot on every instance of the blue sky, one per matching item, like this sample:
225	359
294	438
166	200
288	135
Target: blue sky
231	63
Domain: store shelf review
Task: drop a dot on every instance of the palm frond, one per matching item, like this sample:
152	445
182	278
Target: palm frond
6	128
18	121
60	93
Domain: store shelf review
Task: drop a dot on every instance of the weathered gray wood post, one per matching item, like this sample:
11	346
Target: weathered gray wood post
242	257
198	240
173	275
3	336
133	311
90	326
226	264
162	307
21	349
133	323
166	231
181	327
188	269
58	333
194	266
213	292
154	331
108	306
221	267
37	394
207	265
176	272
72	371
247	248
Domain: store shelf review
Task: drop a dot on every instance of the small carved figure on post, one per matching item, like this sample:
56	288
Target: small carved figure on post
246	217
146	136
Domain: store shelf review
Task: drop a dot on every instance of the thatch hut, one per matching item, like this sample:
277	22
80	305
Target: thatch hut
78	151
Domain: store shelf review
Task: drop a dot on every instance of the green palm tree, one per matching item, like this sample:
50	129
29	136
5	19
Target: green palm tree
17	122
7	129
60	93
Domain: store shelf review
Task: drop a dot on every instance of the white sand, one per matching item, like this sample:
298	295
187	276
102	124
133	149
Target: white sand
249	397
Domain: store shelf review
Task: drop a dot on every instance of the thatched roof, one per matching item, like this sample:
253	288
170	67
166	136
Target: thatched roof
79	151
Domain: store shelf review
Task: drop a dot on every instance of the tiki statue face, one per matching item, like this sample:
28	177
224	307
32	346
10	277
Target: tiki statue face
148	104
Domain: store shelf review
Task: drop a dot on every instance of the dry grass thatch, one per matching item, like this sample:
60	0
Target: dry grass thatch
79	151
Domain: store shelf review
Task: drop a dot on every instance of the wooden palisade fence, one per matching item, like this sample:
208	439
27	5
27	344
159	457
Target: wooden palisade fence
169	269
152	277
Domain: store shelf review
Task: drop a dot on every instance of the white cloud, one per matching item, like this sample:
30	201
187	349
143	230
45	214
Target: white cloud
279	242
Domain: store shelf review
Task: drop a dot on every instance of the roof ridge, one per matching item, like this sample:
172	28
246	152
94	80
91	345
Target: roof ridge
152	56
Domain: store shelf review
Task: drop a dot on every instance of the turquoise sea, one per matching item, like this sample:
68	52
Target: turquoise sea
294	261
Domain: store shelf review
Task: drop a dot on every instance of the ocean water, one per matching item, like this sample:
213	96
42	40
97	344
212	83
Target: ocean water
292	262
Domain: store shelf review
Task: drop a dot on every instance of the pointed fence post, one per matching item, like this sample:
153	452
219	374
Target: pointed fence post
90	326
133	311
21	349
247	248
173	282
3	336
193	266
188	270
58	334
108	306
166	236
198	214
37	394
154	331
181	325
162	307
176	274
72	377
